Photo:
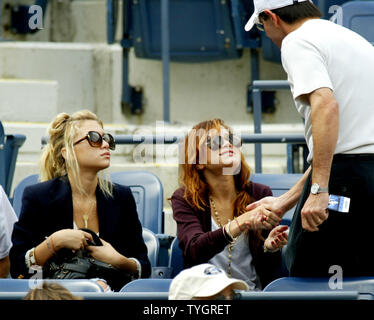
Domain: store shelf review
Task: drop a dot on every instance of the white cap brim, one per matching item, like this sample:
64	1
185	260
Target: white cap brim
251	22
213	288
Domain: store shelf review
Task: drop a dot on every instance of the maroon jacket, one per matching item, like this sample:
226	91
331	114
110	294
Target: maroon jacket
199	244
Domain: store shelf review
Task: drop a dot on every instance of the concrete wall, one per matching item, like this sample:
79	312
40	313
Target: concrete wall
206	90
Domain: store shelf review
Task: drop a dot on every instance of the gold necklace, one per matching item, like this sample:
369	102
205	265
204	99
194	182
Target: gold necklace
231	245
85	215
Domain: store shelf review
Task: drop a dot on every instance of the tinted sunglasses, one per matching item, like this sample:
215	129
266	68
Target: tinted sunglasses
95	139
260	26
216	142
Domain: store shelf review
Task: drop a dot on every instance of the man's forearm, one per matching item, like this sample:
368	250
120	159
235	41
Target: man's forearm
290	198
325	125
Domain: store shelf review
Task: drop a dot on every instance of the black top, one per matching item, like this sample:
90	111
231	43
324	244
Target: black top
47	207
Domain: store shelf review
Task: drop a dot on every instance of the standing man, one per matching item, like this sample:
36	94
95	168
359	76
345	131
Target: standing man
331	73
7	220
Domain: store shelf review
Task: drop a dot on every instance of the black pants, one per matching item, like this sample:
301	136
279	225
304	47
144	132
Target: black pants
344	239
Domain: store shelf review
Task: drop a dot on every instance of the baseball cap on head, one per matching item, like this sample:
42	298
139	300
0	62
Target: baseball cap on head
262	5
203	280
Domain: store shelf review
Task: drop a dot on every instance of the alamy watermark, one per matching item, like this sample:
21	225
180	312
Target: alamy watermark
336	280
193	148
36	20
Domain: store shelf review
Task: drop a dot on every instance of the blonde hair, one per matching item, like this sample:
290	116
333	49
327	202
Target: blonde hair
62	132
51	291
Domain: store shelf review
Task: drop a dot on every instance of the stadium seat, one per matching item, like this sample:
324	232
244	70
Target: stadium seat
208	37
9	146
147	285
176	258
147	190
24	285
363	285
153	246
359	17
18	191
279	184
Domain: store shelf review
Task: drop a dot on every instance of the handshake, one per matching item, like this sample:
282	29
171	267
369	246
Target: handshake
259	217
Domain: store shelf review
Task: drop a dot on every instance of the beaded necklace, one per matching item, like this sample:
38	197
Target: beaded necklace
231	245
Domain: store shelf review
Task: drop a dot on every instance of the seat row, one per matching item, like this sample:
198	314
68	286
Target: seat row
288	288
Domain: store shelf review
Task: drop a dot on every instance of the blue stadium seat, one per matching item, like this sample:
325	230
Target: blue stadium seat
18	192
279	184
24	285
176	258
153	246
359	17
147	285
9	146
363	285
148	193
208	35
327	7
146	188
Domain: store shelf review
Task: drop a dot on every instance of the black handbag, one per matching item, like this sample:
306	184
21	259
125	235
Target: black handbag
80	265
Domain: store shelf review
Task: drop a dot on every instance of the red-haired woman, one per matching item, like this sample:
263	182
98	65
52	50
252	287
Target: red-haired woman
213	224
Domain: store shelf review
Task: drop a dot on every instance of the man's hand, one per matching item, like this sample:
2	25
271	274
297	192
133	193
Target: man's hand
272	204
315	211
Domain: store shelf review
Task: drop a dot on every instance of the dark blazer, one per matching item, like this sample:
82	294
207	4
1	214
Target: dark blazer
199	244
47	207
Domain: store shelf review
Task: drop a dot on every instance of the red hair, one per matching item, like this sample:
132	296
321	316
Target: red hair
196	188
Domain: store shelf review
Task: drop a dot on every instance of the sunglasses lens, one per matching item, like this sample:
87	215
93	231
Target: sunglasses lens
95	139
214	143
110	140
235	140
260	26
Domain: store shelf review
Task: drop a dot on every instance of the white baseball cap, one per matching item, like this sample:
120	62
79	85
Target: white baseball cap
203	280
262	5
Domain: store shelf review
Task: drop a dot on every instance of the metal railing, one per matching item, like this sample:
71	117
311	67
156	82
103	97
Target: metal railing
266	85
257	139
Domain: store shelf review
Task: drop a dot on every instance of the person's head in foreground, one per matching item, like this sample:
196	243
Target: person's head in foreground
50	291
205	282
279	17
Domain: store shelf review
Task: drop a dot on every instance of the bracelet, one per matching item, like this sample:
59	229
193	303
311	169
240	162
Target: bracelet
32	257
241	230
227	237
233	239
270	251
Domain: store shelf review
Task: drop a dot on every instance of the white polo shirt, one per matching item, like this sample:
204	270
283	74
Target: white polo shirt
7	220
323	54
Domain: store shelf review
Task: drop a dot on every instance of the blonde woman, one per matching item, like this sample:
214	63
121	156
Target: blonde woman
73	194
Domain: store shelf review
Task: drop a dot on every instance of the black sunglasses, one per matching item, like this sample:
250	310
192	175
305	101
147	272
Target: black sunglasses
95	139
216	142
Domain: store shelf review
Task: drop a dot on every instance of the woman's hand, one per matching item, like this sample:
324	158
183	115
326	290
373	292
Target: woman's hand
105	253
70	239
260	218
277	238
